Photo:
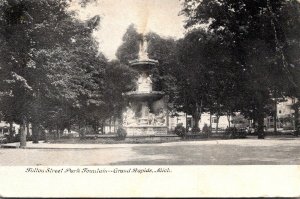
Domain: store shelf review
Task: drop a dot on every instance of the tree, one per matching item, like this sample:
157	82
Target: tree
164	50
258	45
49	57
207	78
130	47
192	76
119	78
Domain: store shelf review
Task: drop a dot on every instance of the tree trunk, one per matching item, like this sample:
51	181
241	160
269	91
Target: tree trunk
35	133
51	133
196	118
84	130
28	130
110	124
23	134
168	120
217	126
57	132
95	127
197	115
296	120
103	127
186	122
260	123
196	122
11	132
79	125
275	116
254	123
46	136
210	120
228	118
114	124
60	133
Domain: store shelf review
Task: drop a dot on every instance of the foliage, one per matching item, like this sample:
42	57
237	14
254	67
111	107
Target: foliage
206	130
119	78
180	130
165	51
129	48
195	130
258	36
207	80
233	132
3	139
121	133
51	71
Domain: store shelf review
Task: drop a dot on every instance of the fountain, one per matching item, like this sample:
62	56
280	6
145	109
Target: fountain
146	111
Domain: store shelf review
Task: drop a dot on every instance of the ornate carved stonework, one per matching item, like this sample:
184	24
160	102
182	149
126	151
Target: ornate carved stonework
144	84
146	113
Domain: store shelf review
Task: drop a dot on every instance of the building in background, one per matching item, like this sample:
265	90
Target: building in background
5	128
178	118
187	121
284	115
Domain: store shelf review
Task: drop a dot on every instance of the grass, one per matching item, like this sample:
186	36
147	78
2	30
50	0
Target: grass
108	141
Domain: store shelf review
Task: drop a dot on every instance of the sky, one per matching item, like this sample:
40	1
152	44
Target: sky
160	16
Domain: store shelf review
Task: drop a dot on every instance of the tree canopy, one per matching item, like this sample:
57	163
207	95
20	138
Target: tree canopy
51	70
261	38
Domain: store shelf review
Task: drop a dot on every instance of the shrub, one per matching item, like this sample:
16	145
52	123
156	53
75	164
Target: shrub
121	133
195	130
3	140
233	132
242	133
180	130
230	132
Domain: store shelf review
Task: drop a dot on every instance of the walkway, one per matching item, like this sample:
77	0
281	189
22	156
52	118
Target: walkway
281	151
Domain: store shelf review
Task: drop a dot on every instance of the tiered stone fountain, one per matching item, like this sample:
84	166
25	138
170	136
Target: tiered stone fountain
146	111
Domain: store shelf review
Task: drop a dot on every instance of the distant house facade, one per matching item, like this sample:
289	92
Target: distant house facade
5	128
285	119
187	121
178	118
284	114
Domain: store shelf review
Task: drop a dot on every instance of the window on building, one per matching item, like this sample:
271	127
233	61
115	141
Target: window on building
279	111
189	122
214	120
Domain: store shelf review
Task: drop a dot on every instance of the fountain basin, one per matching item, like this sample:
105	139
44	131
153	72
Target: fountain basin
145	130
143	62
144	95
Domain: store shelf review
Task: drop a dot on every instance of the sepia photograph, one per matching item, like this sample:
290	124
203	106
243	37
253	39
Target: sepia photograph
100	90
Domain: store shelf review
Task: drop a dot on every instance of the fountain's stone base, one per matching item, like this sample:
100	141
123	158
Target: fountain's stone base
146	130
